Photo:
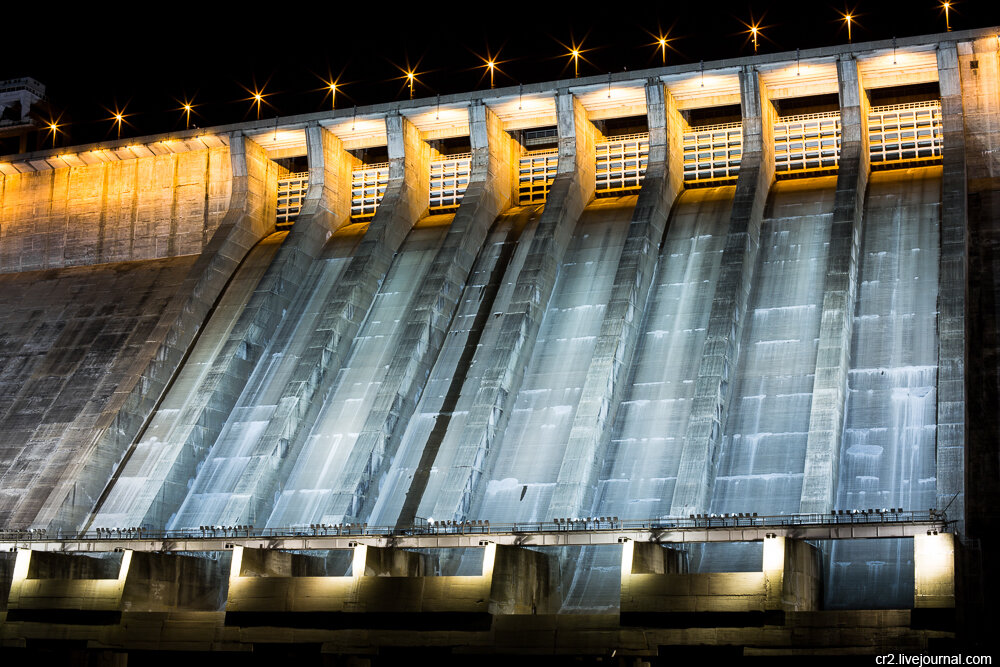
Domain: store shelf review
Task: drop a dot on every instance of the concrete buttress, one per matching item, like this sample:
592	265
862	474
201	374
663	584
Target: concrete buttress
826	416
696	474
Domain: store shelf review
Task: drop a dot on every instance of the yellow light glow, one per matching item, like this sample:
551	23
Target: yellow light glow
947	19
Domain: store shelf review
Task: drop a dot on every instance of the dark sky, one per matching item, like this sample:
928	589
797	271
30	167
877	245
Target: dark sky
92	61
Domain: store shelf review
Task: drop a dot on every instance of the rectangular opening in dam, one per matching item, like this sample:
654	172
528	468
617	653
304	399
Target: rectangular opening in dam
622	155
905	126
292	185
712	145
369	181
806	135
451	169
537	165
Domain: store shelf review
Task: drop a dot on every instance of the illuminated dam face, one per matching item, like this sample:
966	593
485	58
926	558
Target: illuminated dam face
662	298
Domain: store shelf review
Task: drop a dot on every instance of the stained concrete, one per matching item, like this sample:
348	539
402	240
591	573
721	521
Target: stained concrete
696	474
142	208
829	395
571	189
604	386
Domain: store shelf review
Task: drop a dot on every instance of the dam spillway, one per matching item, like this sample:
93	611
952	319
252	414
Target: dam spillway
482	315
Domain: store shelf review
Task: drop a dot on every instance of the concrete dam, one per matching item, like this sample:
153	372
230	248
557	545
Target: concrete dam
671	358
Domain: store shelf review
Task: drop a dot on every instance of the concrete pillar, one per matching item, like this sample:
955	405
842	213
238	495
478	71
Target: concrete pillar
198	424
956	220
968	323
82	482
696	473
829	401
792	575
934	571
405	201
494	160
571	189
616	343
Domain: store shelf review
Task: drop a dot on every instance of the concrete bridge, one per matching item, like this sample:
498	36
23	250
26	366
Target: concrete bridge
749	287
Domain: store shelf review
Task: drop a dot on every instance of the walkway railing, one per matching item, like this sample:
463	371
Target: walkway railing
537	170
291	195
449	179
713	153
621	162
368	184
807	142
901	133
698	522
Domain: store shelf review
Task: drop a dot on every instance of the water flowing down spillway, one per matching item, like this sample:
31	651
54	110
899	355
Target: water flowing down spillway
237	446
526	460
888	451
151	470
762	458
320	468
641	466
637	480
440	413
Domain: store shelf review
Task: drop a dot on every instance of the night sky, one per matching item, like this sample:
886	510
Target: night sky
106	57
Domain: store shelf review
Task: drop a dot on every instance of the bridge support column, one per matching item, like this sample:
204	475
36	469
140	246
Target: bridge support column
829	401
572	188
494	160
696	473
934	571
87	469
616	343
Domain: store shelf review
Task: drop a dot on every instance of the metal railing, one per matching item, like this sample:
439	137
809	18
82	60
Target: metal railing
449	179
905	132
737	520
291	194
621	162
807	142
537	170
368	184
713	152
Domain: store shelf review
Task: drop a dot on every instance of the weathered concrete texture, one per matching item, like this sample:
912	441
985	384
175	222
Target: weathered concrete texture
954	258
144	208
490	191
609	366
154	480
652	558
977	70
696	473
70	338
89	462
513	581
829	396
130	581
789	580
404	202
571	189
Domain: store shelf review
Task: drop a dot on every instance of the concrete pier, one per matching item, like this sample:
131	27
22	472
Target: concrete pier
695	478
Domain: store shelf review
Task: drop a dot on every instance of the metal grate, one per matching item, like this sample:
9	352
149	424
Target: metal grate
808	142
367	187
449	178
905	132
537	171
713	152
621	162
291	194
